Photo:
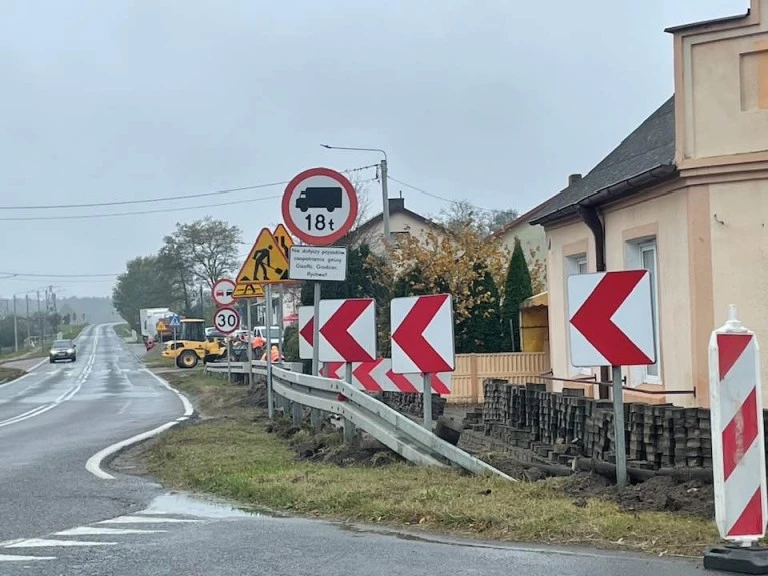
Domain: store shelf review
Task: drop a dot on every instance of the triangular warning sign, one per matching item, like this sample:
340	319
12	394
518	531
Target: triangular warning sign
266	261
283	239
248	291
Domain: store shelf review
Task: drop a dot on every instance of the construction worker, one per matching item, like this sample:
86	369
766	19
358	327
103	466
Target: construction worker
274	353
257	343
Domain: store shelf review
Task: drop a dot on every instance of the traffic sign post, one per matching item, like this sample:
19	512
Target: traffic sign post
268	347
738	448
174	322
319	207
422	340
223	292
611	324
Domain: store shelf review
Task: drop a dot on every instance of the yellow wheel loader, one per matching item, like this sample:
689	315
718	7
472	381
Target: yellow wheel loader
193	345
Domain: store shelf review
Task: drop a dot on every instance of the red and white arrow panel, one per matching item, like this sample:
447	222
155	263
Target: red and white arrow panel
377	376
347	330
422	334
611	319
306	331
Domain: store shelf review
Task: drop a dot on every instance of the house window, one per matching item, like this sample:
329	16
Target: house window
643	254
577	264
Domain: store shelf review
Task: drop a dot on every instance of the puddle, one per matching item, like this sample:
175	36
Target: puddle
184	504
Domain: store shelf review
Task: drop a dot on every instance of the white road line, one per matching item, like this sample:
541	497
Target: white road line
93	465
9	558
188	408
146	520
67	395
95	531
124	407
44	543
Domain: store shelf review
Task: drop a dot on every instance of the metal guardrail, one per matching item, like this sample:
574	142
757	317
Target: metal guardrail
388	426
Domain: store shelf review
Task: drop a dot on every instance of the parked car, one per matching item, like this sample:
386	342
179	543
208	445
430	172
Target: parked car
63	350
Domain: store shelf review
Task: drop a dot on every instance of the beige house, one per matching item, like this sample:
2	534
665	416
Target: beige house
533	242
686	196
402	222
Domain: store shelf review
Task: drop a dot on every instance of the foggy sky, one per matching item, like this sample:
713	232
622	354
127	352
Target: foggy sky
495	101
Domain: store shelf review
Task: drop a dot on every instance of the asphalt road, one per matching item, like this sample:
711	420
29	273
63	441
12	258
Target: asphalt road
57	518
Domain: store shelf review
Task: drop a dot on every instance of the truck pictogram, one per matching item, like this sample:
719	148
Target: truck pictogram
328	197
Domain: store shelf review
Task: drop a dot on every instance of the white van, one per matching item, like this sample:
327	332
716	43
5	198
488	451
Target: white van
261	331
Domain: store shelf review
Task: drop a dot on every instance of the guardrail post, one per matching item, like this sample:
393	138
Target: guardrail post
316	419
296	413
350	431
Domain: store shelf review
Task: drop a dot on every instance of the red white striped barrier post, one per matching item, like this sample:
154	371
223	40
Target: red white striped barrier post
738	448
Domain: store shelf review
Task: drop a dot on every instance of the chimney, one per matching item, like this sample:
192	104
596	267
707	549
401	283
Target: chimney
573	178
396	204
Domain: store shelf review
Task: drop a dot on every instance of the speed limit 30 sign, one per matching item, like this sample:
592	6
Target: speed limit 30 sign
226	320
319	206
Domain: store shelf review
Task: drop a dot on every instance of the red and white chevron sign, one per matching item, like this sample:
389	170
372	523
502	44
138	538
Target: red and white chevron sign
377	376
611	319
738	445
422	334
306	331
347	330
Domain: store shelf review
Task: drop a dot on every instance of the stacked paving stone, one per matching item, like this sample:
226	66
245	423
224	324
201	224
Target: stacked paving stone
555	425
412	404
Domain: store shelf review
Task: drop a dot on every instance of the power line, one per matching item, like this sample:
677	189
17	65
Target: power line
143	212
166	198
146	201
32	275
443	198
135	213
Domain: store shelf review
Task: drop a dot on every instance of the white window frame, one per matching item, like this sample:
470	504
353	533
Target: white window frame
635	250
576	264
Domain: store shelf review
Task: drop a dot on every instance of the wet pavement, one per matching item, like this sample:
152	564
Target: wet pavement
57	518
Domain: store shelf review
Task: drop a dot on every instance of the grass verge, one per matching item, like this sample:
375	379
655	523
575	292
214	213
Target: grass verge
231	454
123	330
154	359
72	331
9	374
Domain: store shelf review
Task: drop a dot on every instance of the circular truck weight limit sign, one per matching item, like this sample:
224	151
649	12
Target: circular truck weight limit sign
226	320
223	291
319	206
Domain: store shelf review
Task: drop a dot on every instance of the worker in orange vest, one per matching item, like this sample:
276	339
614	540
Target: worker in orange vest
257	343
274	353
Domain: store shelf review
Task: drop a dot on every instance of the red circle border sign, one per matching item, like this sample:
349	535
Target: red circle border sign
343	230
228	309
213	290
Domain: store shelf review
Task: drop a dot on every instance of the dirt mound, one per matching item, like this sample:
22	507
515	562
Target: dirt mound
665	494
327	445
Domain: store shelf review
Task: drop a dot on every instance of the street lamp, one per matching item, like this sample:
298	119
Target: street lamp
384	192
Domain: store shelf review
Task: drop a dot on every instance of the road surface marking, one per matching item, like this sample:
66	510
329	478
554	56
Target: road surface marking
44	543
67	395
9	558
188	408
96	531
124	407
146	520
93	464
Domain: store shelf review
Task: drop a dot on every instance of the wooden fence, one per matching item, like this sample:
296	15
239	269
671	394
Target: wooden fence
472	369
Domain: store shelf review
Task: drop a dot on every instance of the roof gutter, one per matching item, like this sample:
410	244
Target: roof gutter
631	185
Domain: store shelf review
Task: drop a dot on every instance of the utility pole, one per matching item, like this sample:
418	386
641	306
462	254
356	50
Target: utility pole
40	317
384	190
29	335
15	326
385	198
